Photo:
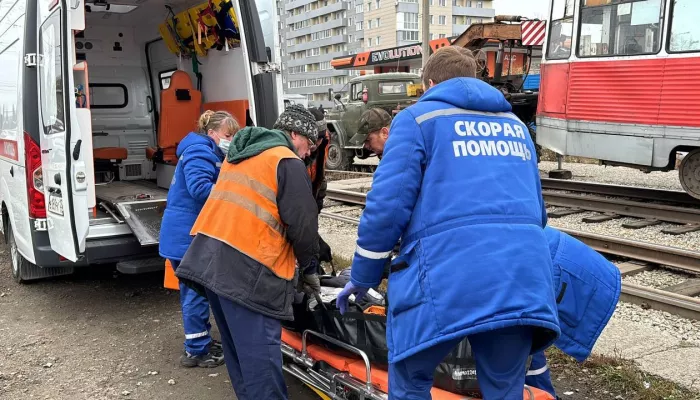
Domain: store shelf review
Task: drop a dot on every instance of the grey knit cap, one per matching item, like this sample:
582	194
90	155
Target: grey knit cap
297	119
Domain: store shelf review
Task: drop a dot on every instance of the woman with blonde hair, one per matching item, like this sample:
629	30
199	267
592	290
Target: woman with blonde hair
199	160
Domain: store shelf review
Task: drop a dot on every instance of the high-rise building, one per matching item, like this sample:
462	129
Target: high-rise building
314	32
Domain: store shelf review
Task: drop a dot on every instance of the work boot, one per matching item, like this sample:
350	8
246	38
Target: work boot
216	348
209	360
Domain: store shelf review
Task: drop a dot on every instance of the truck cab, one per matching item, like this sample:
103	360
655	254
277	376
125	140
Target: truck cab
388	91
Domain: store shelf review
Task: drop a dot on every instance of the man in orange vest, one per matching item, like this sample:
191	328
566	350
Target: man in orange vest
259	221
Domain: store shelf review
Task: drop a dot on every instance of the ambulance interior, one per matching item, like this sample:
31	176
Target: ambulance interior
143	98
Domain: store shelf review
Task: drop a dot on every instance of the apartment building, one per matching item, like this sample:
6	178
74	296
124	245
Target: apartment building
313	32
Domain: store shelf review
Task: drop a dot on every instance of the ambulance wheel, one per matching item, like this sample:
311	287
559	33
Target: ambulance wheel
338	158
20	265
689	173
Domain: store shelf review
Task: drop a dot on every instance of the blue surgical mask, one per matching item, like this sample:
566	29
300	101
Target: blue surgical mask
224	145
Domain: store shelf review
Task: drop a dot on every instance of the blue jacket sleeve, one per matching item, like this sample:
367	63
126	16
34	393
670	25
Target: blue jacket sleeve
390	203
199	166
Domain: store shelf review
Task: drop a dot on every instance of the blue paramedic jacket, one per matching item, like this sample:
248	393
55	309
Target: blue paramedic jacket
199	162
587	287
459	185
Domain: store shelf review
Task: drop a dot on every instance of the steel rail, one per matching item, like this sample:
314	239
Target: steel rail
684	306
679	215
669	196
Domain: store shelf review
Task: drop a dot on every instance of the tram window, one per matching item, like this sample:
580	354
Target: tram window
685	31
561	30
630	28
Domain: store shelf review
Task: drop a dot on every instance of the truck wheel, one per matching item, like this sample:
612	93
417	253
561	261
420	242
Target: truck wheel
538	148
689	173
338	158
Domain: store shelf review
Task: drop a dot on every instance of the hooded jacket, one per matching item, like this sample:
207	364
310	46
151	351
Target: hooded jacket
459	185
217	263
588	288
195	174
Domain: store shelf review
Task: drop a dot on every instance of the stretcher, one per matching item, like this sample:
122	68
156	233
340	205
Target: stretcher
348	373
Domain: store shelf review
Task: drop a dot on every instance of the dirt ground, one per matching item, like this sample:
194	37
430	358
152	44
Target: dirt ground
101	335
98	335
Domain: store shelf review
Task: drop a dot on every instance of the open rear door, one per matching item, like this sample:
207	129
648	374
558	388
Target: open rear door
64	172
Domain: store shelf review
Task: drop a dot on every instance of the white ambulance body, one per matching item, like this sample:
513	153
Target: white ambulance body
92	106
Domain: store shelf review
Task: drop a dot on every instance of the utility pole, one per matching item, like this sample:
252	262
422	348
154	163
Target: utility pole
426	31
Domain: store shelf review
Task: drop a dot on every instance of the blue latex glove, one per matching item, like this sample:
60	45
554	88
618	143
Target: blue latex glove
344	296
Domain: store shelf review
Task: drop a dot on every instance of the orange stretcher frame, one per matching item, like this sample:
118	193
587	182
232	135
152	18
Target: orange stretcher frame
380	377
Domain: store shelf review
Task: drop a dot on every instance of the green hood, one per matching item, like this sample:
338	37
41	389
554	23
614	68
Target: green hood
252	140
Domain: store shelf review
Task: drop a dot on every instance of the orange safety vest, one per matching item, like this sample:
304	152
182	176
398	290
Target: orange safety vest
242	212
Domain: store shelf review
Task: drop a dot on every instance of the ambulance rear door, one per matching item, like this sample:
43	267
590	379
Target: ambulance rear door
62	153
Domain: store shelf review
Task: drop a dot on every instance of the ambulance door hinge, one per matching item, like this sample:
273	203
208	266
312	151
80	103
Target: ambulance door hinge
30	59
269	67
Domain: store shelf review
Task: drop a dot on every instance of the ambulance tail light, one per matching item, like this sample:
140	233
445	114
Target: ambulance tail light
35	178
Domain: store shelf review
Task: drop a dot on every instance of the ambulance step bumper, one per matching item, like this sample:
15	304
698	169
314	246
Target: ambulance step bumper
140	266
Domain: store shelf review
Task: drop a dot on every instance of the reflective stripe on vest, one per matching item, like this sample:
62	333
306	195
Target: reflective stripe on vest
242	212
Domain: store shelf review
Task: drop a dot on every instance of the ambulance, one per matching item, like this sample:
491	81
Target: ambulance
95	96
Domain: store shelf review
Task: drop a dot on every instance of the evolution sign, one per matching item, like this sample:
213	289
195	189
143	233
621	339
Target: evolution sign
396	53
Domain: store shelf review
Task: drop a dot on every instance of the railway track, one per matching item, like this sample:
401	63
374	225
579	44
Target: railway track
611	201
684	260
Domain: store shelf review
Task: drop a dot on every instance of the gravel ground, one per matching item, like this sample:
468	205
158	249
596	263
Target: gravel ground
677	327
616	175
657	279
690	241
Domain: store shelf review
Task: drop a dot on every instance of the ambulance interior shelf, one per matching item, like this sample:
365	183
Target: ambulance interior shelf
195	31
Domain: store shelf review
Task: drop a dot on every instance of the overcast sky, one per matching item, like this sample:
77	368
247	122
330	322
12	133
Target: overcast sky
525	8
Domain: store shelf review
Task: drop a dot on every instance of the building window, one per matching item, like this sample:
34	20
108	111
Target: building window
378	22
410	21
620	29
408	36
479	4
442	36
431	36
350	38
442	20
469	3
369	24
454	19
377	40
377	4
443	3
358	26
561	29
369	6
685	31
431	20
431	2
369	42
358	8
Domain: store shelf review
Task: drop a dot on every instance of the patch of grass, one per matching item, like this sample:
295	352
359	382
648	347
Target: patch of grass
614	377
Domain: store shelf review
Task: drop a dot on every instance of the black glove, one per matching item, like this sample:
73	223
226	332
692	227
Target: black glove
324	251
311	284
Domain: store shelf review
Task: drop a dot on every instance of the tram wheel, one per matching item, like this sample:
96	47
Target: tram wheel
689	173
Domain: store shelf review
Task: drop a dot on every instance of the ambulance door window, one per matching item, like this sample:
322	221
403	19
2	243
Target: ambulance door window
51	77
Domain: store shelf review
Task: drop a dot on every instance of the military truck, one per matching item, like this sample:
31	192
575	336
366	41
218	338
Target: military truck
387	91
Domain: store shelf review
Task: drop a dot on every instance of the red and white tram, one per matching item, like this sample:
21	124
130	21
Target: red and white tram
620	83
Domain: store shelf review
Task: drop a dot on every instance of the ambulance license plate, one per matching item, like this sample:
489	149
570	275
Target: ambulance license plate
55	204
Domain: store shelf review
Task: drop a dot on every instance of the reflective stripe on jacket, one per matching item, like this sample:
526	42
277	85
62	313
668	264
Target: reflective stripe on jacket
246	194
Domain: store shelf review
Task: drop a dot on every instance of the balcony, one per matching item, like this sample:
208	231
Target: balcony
407	7
474	12
339	6
318	43
315	59
335	23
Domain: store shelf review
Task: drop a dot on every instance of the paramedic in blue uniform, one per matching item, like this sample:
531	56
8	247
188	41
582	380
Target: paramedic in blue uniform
459	185
589	278
587	286
199	160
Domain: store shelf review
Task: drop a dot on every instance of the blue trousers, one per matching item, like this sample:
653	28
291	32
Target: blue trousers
500	355
252	351
538	374
195	319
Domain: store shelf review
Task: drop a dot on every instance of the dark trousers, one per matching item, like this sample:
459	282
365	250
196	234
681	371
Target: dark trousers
252	351
500	355
538	376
